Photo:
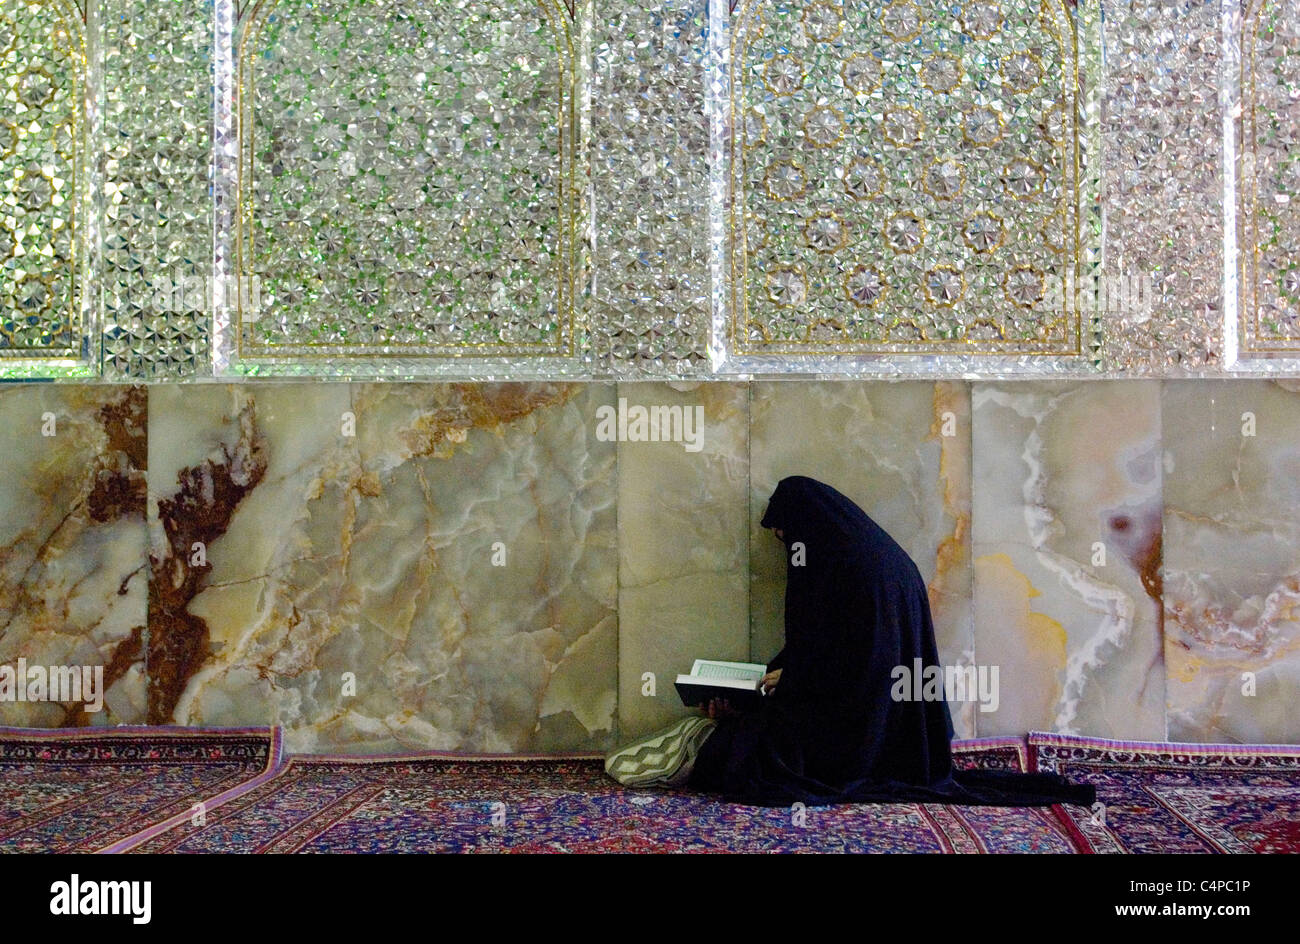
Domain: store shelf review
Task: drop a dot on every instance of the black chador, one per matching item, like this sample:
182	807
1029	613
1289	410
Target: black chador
832	731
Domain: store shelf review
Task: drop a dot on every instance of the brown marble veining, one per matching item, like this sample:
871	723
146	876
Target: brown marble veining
73	565
191	521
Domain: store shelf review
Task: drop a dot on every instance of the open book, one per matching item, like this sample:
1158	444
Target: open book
737	682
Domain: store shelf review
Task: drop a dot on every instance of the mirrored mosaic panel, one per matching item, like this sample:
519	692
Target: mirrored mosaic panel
1162	310
905	177
401	271
1269	179
408	180
43	189
650	180
156	230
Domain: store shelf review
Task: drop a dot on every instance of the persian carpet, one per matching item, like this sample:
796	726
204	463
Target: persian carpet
138	789
447	803
1179	797
89	789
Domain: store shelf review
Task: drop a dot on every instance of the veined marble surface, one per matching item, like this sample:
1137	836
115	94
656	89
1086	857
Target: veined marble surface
73	549
887	447
1232	560
296	533
1067	544
449	547
683	526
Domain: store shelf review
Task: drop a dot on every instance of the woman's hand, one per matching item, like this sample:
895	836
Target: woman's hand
721	708
768	682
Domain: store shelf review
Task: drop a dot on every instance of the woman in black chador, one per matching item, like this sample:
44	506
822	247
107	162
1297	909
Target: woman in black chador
830	731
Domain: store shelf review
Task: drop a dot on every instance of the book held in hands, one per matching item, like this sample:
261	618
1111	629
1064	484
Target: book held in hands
737	682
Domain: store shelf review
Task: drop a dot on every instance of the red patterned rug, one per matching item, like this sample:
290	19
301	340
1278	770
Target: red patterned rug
1179	797
141	790
459	804
90	790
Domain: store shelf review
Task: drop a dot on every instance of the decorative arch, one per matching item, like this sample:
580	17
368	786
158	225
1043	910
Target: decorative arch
424	207
1268	180
905	178
43	75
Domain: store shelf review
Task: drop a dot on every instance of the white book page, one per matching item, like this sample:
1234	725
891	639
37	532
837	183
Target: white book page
717	671
743	684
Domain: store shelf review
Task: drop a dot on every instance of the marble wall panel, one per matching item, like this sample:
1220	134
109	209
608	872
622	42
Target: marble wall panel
496	575
260	477
73	549
902	452
683	527
1232	560
1067	556
523	656
449	547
